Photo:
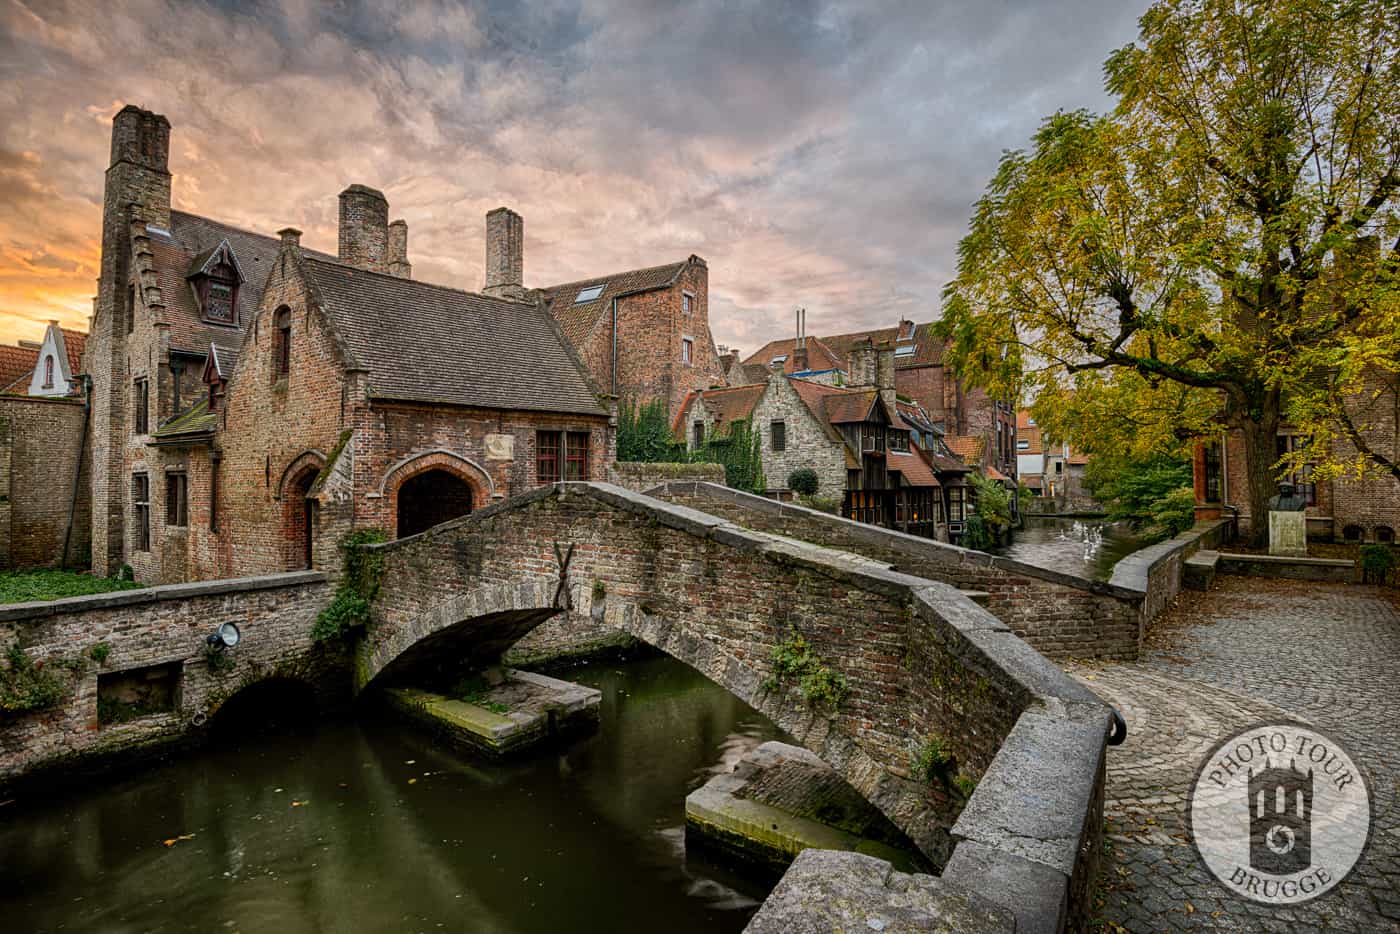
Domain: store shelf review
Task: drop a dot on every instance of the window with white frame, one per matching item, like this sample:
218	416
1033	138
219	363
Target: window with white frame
687	350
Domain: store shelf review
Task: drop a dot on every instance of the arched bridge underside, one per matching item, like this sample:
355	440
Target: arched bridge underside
923	666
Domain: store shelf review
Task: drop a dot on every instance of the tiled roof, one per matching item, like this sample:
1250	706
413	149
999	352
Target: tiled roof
968	447
727	405
819	356
429	343
828	352
74	342
994	474
16	363
225	361
1033	481
912	465
189	238
1077	459
579	320
846	406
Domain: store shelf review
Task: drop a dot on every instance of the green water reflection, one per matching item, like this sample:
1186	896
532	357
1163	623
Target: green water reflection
397	833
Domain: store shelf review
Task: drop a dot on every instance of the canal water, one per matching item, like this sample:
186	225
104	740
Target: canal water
1086	547
368	825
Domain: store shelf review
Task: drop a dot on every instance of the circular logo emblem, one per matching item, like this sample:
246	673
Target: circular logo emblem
1280	813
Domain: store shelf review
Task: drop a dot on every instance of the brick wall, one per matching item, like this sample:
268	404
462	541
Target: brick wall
1373	503
40	450
159	626
1058	614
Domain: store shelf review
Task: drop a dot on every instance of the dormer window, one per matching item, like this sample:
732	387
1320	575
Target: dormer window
216	277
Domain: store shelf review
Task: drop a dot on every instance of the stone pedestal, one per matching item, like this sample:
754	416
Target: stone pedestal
1288	533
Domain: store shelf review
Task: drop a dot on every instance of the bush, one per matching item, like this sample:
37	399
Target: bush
1377	563
1132	489
794	660
1175	512
27	685
993	506
975	535
803	481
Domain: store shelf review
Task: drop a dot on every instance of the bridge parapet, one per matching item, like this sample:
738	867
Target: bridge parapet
1062	615
924	667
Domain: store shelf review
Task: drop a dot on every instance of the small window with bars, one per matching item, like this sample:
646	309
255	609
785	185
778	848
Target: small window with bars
547	445
576	455
778	435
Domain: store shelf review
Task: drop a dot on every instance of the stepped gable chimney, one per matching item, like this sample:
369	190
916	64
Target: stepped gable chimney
140	168
364	228
398	250
505	254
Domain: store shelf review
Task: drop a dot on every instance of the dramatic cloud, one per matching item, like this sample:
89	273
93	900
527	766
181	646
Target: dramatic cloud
816	154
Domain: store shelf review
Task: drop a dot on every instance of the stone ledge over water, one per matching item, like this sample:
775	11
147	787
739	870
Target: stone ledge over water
518	713
827	891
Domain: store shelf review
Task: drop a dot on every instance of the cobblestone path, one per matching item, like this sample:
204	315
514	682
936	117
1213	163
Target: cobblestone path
1215	663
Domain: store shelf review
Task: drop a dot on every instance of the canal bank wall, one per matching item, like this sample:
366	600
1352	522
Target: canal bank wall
1157	573
135	671
1061	615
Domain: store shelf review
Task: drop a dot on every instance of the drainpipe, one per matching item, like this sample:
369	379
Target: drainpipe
614	346
78	469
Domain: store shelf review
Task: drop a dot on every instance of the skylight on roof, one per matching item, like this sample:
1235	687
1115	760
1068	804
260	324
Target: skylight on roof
904	350
780	358
589	294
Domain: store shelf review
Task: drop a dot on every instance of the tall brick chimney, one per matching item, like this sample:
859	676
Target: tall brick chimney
140	167
398	250
505	254
364	228
799	348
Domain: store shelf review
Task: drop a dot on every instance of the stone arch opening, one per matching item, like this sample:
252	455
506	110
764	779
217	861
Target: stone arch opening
300	514
271	705
1353	533
431	497
1385	535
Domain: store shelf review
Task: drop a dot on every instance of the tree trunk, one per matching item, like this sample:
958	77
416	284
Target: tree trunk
1260	436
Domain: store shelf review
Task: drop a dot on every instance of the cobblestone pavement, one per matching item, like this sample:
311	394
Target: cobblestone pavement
1215	663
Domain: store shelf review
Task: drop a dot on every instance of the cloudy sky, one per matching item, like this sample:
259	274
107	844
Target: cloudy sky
816	154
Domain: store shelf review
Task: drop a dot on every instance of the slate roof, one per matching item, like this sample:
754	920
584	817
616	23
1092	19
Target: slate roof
429	343
194	424
175	252
828	352
579	320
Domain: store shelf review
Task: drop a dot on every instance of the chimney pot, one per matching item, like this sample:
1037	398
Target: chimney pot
290	236
398	250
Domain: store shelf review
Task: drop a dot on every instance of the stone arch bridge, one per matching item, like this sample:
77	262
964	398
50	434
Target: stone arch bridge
922	665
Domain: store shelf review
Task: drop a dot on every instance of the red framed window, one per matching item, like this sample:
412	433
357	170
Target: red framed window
576	456
547	451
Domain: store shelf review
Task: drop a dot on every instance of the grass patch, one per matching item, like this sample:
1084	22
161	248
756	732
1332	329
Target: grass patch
50	584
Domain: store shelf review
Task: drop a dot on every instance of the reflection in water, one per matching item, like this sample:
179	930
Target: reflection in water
1087	547
368	826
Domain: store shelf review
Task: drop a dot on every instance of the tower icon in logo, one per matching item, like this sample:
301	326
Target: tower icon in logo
1280	819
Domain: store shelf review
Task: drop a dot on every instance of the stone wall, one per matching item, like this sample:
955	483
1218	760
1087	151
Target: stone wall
1156	571
807	442
1059	614
641	477
159	626
40	451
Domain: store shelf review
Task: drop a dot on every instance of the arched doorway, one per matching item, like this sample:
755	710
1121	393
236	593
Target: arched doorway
299	519
429	498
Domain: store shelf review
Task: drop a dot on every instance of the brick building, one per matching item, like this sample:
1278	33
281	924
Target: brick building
1347	509
882	468
255	401
920	375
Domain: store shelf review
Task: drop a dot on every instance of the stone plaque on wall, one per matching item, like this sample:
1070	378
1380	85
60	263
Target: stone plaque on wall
500	447
1288	533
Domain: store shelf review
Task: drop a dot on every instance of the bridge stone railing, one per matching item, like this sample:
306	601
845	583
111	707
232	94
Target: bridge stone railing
1061	615
920	660
155	633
